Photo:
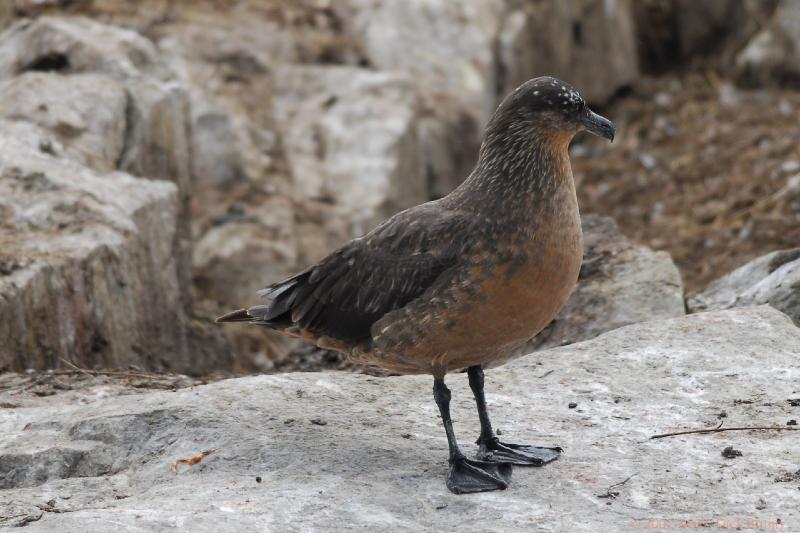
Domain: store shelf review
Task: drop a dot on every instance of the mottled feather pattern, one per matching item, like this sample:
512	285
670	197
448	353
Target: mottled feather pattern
350	289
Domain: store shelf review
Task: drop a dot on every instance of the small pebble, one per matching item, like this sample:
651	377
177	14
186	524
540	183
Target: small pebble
258	479
572	405
730	452
318	422
791	422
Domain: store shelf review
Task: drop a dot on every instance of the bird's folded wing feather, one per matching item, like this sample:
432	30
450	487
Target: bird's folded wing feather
346	292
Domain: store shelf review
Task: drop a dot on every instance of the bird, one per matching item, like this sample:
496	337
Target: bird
461	282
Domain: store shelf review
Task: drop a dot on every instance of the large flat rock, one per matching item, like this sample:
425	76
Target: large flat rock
350	452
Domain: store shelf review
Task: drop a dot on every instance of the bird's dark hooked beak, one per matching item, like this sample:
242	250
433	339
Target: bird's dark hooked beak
598	125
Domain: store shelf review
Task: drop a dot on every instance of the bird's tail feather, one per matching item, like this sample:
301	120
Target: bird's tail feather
281	297
240	315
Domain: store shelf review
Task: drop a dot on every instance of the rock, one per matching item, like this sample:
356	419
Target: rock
69	54
772	53
241	254
155	127
235	141
620	283
447	48
86	112
351	138
87	269
251	224
589	43
245	214
772	279
75	462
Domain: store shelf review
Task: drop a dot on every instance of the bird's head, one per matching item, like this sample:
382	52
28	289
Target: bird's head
549	108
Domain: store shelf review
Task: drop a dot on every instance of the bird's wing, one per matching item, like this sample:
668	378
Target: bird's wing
345	293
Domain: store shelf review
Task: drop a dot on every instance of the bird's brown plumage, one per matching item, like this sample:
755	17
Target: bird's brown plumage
463	280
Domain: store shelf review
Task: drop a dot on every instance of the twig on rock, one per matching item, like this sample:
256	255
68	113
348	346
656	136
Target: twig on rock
721	429
75	367
613	494
115	373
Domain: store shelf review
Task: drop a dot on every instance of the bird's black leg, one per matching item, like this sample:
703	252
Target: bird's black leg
466	475
491	449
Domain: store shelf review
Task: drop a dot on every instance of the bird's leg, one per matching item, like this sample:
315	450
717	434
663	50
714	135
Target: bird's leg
491	449
466	475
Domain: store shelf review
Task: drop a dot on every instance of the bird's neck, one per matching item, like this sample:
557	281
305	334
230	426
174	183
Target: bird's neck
519	176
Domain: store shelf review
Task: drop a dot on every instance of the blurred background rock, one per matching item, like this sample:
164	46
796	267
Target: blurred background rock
163	159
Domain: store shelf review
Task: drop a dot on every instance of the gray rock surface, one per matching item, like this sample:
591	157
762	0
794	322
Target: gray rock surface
351	137
110	100
87	269
446	47
620	283
772	279
340	451
85	112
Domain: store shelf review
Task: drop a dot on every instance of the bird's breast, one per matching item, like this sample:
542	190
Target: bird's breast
509	287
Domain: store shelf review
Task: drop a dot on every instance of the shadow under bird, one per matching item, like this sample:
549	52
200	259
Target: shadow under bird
463	281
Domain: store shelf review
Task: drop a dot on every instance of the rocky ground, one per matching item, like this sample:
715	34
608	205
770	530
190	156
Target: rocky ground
338	450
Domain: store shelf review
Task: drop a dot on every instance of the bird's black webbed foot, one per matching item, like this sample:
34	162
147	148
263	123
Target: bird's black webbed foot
466	475
492	450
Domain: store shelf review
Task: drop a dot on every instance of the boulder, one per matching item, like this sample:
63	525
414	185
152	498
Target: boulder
85	112
773	54
589	43
87	269
235	143
311	451
620	283
447	48
772	279
351	138
109	98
